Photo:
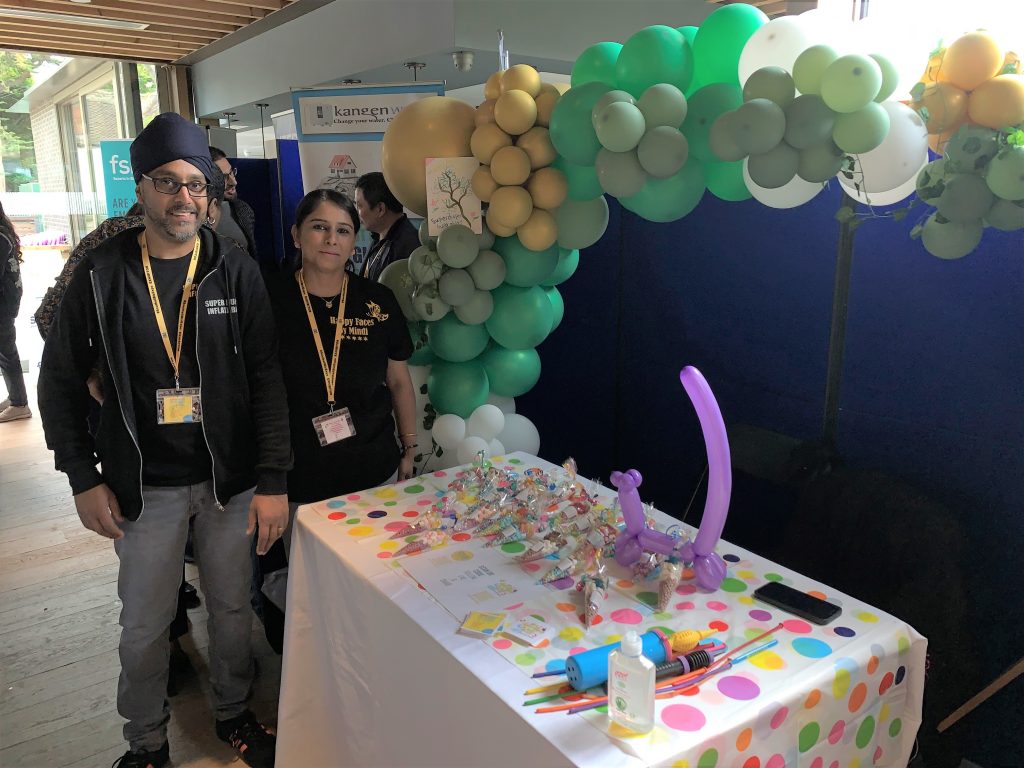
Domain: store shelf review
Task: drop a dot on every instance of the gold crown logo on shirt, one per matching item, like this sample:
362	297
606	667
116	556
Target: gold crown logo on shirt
374	311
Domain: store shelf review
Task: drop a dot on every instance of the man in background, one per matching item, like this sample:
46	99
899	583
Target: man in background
237	219
394	237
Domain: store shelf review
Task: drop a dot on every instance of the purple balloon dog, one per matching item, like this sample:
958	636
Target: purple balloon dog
637	538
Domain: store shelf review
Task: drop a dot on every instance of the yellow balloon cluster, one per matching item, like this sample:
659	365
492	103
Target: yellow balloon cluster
511	141
971	82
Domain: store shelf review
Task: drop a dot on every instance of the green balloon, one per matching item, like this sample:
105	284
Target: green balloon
523	266
572	130
703	108
850	83
455	287
568	261
966	198
690	33
427	301
810	66
949	240
931	181
662	104
581	222
511	372
557	307
772	83
662	152
452	340
1006	215
457	245
971	149
609	98
487	270
774	168
620	173
396	277
861	131
582	179
890	77
1005	174
422	354
458	388
760	125
720	41
596	64
672	198
477	309
486	237
521	317
722	139
619	126
425	266
820	163
808	122
425	239
656	54
725	181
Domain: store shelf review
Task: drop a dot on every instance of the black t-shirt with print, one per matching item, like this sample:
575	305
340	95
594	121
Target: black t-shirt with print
375	332
173	455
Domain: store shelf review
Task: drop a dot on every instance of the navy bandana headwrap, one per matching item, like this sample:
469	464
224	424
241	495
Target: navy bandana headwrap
167	138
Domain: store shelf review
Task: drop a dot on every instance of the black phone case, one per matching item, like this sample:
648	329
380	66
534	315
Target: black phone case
798	603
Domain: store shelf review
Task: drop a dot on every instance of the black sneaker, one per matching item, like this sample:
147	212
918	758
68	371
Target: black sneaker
157	758
189	596
254	743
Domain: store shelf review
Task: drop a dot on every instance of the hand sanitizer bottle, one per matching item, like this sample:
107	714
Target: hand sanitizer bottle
631	685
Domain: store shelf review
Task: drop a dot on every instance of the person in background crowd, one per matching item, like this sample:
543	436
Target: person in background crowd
394	236
178	322
237	219
15	406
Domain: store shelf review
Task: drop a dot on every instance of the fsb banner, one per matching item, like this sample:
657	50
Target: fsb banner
340	130
118	181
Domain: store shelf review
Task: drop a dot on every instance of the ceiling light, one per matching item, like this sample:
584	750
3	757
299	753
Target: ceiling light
93	21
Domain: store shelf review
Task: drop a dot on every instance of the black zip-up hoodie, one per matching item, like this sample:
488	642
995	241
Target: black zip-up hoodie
245	412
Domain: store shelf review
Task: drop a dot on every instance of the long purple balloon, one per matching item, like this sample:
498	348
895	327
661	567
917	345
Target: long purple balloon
708	566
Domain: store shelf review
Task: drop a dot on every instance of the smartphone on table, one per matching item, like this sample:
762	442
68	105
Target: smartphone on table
798	603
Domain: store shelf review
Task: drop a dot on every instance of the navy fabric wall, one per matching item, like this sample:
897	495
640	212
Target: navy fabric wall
258	186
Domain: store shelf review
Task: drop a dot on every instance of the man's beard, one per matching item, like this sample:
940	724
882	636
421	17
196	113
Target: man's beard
173	229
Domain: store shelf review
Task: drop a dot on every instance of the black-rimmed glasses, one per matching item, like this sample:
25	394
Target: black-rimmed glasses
170	186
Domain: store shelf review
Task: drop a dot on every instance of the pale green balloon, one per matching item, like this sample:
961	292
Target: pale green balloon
487	270
810	66
772	83
425	266
705	106
477	309
457	246
965	198
1005	174
661	152
486	237
808	122
931	181
455	287
396	277
850	83
428	302
722	139
950	240
609	98
971	149
1006	215
760	125
619	173
619	126
662	104
581	222
820	163
890	77
861	131
425	238
774	168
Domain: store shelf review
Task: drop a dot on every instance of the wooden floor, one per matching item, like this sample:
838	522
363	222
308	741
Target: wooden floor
59	632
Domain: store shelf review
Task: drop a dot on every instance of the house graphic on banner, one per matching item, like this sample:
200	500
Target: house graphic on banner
342	175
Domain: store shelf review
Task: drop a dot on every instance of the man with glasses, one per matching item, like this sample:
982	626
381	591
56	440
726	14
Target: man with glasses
237	219
193	426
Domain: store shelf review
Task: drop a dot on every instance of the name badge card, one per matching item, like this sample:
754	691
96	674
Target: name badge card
178	406
334	427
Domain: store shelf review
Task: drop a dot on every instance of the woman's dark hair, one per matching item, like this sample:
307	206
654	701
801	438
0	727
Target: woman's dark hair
310	202
7	229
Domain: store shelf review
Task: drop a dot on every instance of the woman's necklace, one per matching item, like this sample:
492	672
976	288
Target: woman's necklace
330	302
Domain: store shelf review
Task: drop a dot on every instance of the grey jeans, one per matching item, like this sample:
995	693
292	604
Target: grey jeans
150	573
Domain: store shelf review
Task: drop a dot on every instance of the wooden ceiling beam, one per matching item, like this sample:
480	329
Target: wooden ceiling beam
19	44
139	42
27	26
243	15
95	11
267	5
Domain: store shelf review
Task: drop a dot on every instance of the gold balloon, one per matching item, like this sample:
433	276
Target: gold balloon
946	104
515	112
521	77
972	59
546	100
485	112
510	165
436	126
539	232
492	88
486	140
483	183
548	188
496	227
510	207
937	141
999	103
537	145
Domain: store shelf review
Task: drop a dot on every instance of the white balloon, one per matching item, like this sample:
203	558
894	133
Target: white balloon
486	422
507	404
469	448
495	448
895	161
519	434
790	195
776	44
905	41
449	430
889	197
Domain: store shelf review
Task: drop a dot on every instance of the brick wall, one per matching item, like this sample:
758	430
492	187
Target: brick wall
50	164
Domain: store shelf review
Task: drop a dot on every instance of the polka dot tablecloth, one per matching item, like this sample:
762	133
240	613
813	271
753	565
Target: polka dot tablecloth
847	695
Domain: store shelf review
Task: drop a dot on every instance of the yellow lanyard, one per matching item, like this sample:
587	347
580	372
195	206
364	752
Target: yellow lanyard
174	355
330	371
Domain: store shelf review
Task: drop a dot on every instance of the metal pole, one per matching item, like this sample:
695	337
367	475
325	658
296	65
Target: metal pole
837	333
